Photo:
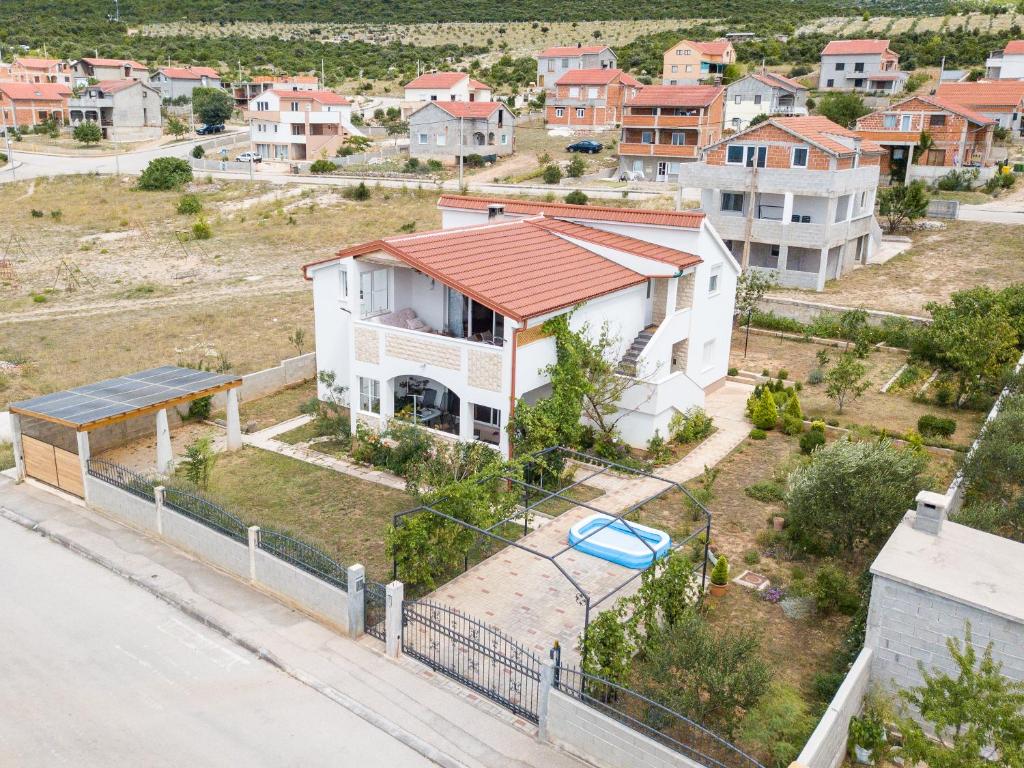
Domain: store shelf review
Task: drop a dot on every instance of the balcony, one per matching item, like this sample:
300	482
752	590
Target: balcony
661	121
659	150
799	181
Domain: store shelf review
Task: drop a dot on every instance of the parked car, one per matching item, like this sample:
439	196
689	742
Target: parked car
207	130
587	145
249	157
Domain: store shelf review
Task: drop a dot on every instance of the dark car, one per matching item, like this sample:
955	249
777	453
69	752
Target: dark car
206	130
592	147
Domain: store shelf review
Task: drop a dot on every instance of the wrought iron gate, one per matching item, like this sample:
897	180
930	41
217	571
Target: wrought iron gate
474	654
375	607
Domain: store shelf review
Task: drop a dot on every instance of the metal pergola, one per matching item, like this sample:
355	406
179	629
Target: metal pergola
536	464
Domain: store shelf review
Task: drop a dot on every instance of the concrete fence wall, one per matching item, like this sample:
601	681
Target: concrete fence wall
137	512
258	384
827	746
807	311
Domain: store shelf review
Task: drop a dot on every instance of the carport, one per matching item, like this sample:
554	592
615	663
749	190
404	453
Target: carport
51	432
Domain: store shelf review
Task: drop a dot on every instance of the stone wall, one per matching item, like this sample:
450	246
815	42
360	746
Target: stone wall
367	343
418	350
485	370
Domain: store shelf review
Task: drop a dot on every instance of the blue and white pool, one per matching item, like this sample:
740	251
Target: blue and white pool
627	545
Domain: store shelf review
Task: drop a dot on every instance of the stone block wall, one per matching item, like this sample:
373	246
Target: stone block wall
485	370
418	350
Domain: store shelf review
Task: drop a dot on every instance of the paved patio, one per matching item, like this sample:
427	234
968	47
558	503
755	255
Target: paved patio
526	596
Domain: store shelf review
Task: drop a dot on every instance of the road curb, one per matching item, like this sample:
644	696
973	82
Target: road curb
394	730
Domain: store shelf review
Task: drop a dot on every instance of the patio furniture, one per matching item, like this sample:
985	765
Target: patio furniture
427	410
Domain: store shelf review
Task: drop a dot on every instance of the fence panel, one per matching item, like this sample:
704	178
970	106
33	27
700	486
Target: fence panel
123	478
304	556
653	720
375	603
473	654
206	512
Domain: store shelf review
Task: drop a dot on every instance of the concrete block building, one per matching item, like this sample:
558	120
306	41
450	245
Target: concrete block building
175	82
28	104
793	196
590	98
126	110
554	62
446	86
860	65
1007	64
84	71
448	130
762	93
31	69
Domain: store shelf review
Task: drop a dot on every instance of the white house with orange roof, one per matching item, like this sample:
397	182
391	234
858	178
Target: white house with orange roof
762	93
175	82
860	65
446	327
448	130
90	69
299	125
554	62
689	62
446	86
245	91
1007	64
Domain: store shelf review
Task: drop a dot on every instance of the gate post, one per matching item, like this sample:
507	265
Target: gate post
158	497
19	448
547	679
393	619
254	544
356	592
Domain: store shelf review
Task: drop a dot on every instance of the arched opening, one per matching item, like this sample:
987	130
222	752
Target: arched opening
479	139
427	403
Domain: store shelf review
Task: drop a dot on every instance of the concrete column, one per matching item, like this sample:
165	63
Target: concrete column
465	419
158	496
254	544
164	454
850	205
547	681
19	449
387	401
353	398
395	592
83	460
783	257
356	600
787	208
822	269
234	425
670	296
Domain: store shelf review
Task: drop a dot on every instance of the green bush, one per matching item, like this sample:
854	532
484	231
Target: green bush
323	166
936	426
552	174
767	491
358	192
758	434
791	425
958	180
87	133
793	408
733	370
474	161
189	205
765	413
577	197
783	374
201	229
198	152
164	173
720	573
834	591
811	440
691	426
577	167
751	557
778	725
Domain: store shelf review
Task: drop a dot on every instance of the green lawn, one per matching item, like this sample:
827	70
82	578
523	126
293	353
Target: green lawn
344	515
557	506
278	407
6	456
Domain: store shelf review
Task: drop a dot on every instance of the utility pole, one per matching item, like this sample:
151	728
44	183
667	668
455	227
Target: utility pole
7	138
323	75
462	150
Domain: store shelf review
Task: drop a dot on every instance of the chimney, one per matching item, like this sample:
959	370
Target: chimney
931	511
495	212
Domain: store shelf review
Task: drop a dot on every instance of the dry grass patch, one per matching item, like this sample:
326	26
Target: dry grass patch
280	406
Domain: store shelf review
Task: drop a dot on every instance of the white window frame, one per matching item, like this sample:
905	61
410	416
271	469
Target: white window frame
343	282
369	395
732	196
737	99
574	91
593	92
423	138
708	354
906	121
890	122
504	139
376	282
441	139
792	158
581	112
715	281
559	111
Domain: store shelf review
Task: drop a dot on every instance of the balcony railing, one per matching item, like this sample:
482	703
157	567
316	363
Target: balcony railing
661	121
659	150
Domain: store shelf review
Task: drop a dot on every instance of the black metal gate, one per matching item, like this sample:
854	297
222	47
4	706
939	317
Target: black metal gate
474	654
375	602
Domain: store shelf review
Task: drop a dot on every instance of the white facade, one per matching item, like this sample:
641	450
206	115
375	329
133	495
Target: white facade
690	311
295	126
750	97
1005	66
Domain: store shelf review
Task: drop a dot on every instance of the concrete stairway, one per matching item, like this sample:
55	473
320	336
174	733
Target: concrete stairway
627	365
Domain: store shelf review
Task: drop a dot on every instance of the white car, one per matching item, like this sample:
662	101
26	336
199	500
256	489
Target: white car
249	157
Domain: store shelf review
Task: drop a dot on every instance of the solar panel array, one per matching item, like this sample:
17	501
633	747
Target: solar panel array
92	403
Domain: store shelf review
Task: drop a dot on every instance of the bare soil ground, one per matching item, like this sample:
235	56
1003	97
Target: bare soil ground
963	255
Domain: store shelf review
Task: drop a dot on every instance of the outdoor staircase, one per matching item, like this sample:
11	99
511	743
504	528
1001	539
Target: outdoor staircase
627	365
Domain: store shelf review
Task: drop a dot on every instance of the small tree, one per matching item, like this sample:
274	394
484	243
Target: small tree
176	127
87	133
902	204
843	108
198	462
577	167
975	717
720	573
845	380
189	205
164	173
297	338
758	119
605	649
751	287
577	197
552	174
322	166
212	106
358	192
765	413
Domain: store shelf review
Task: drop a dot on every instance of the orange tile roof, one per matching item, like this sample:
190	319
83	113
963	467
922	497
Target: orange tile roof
114	86
189	73
468	109
671	256
949	106
713	47
594	76
31	62
683	219
476	85
114	63
820	131
29	91
570	50
853	47
992	93
321	97
628	79
437	80
305	79
676	96
775	80
1014	47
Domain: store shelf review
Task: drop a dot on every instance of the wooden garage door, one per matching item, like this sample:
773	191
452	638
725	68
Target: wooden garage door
53	465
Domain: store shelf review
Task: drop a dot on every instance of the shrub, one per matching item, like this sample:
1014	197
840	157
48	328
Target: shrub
552	174
358	192
201	229
37	214
751	557
733	370
658	449
474	161
767	491
758	434
189	205
87	133
577	197
577	167
199	409
198	152
834	591
958	180
936	426
765	413
720	573
793	408
322	166
164	173
198	462
691	426
811	440
778	725
791	425
783	374
944	393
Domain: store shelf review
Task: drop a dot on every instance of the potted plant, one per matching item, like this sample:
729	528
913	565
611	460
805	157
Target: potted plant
778	522
866	739
720	576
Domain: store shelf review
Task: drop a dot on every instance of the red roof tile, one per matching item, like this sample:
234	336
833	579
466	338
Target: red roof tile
467	109
189	73
713	47
321	97
671	256
684	219
949	106
676	96
31	62
476	85
822	131
1014	47
114	63
114	86
853	47
775	80
29	91
437	80
570	50
304	79
986	94
591	77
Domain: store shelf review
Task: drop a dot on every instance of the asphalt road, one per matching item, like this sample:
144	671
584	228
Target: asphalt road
95	671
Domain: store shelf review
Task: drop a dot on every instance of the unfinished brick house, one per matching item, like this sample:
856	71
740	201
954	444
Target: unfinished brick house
590	98
956	137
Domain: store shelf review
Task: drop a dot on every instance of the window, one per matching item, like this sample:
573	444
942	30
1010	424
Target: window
295	106
551	65
565	63
840	66
504	139
559	112
737	99
441	139
592	92
343	281
709	354
936	120
375	291
734	154
675	68
646	137
433	97
799	157
858	83
581	112
858	67
422	137
689	67
369	395
714	280
574	92
757	99
830	83
486	415
752	155
678	138
732	201
905	121
889	121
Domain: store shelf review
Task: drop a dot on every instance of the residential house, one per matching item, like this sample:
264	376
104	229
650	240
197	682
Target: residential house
446	327
28	69
860	65
245	91
552	63
793	196
668	125
126	110
762	93
956	137
446	86
175	82
448	130
299	125
28	104
89	70
1002	100
590	98
691	61
1007	64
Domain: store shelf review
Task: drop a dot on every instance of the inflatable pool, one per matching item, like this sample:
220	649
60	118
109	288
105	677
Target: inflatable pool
629	545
